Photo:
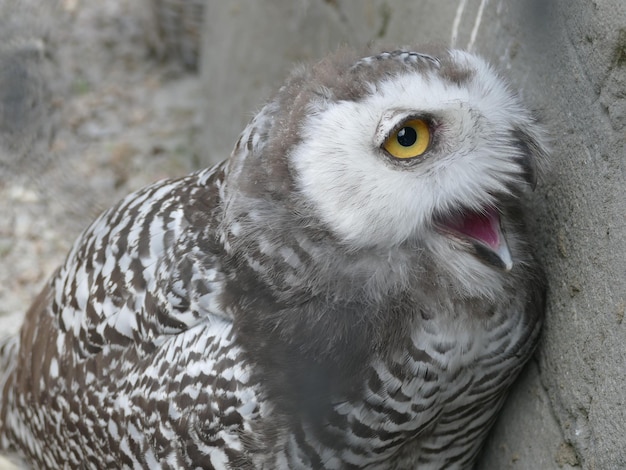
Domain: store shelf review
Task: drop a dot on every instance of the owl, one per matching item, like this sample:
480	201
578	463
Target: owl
352	288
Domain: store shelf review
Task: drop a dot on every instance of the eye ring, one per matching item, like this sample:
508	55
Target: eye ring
409	140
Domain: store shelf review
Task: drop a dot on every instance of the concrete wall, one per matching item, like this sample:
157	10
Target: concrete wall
568	59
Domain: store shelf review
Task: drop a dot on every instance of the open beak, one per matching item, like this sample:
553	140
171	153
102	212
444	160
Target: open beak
483	232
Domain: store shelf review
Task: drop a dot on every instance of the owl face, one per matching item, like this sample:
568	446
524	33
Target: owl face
430	154
393	156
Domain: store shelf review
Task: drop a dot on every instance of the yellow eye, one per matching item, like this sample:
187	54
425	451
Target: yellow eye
409	141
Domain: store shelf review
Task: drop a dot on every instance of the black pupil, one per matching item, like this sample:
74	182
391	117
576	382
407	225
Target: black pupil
407	136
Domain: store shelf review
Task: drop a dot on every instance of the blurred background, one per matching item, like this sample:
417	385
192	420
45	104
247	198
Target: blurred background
98	99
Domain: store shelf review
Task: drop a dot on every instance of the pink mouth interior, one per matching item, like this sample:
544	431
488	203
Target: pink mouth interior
483	227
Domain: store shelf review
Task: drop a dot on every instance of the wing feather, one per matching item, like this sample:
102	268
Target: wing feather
136	273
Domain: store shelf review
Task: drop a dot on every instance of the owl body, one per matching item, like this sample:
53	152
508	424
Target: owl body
315	301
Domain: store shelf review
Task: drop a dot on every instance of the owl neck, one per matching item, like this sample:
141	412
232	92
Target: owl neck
311	311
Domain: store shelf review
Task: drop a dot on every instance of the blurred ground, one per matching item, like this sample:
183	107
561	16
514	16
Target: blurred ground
121	120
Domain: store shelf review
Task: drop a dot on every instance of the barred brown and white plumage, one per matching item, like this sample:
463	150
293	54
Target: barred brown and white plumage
352	288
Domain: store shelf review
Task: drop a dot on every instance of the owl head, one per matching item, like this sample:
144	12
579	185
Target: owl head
398	149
